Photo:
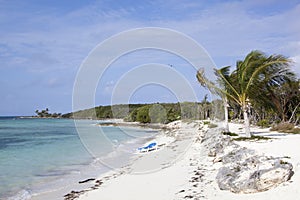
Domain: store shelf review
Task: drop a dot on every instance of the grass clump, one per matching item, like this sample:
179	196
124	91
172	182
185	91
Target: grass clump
296	131
230	133
206	122
286	128
253	137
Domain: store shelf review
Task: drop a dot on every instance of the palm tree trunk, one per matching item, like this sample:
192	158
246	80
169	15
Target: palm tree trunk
246	122
294	111
226	126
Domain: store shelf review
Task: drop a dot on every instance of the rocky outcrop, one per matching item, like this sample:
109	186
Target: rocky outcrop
243	171
215	143
252	174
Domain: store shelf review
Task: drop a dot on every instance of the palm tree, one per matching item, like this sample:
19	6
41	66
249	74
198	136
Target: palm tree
280	92
240	85
215	90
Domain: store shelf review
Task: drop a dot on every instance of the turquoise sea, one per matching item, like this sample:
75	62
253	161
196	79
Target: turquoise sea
42	155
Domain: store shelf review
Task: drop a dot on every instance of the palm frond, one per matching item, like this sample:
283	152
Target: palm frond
225	79
272	61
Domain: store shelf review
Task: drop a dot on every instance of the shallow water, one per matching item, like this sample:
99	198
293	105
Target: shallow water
42	155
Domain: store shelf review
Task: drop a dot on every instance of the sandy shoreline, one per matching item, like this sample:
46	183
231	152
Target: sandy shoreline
182	169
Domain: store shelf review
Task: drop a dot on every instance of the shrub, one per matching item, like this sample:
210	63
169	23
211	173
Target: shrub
157	114
296	131
263	123
286	128
132	116
142	114
173	115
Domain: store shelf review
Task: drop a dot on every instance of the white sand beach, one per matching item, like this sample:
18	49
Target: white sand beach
182	170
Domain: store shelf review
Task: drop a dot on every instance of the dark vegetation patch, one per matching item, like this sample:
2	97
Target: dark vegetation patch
229	133
252	138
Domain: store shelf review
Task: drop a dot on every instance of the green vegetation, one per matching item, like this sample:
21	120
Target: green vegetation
149	113
260	88
264	123
46	114
143	114
253	137
206	122
104	112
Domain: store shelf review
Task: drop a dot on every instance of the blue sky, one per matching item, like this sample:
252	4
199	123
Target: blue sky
43	43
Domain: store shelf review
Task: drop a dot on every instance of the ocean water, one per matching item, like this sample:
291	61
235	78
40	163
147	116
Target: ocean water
42	155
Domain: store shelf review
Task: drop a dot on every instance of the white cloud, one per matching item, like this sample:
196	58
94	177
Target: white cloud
296	60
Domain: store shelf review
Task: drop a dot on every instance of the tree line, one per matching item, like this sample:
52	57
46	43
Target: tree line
153	112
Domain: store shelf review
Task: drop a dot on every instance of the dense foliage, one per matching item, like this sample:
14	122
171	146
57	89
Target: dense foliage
152	113
46	114
260	89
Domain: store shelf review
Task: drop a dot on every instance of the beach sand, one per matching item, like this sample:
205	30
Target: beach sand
182	170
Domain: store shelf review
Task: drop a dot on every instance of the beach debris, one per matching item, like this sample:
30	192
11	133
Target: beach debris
86	180
73	195
188	197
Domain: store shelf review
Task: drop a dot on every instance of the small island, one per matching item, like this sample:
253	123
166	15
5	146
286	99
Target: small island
46	114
